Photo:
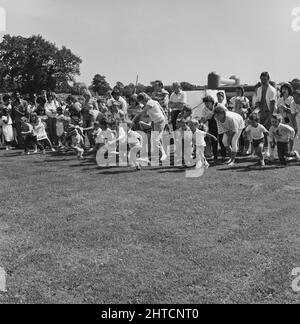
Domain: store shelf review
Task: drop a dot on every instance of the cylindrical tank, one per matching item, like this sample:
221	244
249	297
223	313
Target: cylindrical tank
236	79
214	80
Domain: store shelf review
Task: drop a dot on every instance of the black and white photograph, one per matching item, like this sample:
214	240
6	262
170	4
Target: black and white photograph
149	155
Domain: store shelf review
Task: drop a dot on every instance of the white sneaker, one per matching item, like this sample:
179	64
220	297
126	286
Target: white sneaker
228	162
164	157
207	165
231	164
53	150
199	165
297	155
143	161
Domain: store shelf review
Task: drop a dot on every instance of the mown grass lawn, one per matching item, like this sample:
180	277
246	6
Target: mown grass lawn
73	233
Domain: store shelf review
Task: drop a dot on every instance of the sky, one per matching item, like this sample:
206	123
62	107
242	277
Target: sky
169	40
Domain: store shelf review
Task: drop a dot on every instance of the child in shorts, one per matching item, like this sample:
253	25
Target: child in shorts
259	136
281	135
199	142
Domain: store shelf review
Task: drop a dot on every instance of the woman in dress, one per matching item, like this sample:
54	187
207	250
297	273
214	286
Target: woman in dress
7	128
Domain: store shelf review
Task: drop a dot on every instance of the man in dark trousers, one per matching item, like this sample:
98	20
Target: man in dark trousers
19	110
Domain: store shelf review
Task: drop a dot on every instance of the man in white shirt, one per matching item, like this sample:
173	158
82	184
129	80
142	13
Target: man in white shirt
51	110
159	119
233	125
117	101
177	102
161	95
266	100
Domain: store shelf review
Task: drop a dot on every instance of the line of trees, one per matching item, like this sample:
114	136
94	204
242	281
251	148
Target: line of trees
32	64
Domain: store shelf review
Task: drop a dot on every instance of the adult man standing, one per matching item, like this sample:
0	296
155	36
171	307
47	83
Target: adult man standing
117	102
19	110
158	119
266	100
51	106
177	102
214	126
161	95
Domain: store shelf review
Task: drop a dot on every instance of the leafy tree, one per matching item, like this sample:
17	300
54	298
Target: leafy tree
186	86
129	90
296	84
120	85
33	64
141	88
100	85
78	88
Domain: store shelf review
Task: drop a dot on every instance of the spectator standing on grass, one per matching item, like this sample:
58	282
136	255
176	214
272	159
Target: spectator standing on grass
285	103
233	125
266	100
177	102
51	111
88	112
215	128
7	128
73	108
161	95
5	106
117	101
266	103
295	110
221	98
240	103
19	110
254	98
40	109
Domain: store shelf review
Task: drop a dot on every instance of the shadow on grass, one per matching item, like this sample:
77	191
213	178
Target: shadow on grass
174	170
12	155
117	172
256	167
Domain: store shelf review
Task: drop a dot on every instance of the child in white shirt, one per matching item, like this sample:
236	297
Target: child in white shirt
258	135
60	122
7	128
102	134
282	134
135	143
199	143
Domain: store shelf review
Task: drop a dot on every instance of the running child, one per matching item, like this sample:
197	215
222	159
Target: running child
199	142
30	139
102	134
259	136
281	135
60	130
39	130
74	137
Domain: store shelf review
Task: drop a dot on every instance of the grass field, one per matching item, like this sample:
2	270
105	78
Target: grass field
73	233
